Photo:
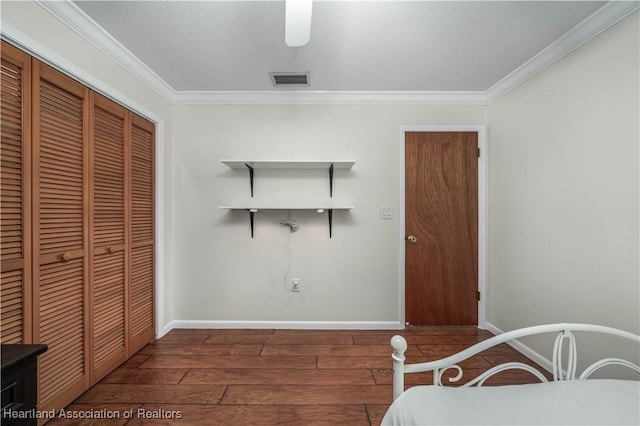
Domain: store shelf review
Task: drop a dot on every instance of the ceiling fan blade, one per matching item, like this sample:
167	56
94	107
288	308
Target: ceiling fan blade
297	21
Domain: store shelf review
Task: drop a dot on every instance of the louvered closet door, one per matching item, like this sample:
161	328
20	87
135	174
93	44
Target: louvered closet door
108	270
141	308
60	207
15	186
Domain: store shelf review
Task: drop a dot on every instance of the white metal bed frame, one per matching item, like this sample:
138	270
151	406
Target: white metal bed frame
561	372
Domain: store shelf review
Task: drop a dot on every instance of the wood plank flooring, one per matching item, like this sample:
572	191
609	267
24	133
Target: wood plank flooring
298	377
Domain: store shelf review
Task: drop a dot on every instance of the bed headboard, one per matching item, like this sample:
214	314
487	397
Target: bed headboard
565	341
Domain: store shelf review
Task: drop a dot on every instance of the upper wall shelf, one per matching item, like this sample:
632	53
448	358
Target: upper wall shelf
330	166
288	165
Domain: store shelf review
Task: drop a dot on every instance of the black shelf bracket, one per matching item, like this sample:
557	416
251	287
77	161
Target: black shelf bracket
251	173
250	177
252	213
331	180
251	217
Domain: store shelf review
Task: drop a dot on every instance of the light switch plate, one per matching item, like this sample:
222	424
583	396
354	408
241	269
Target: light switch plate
386	212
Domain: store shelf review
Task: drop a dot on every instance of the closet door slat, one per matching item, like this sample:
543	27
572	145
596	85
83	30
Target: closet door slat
60	256
141	293
108	231
62	328
15	196
12	306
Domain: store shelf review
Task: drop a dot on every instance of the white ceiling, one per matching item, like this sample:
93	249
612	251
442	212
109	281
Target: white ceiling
355	45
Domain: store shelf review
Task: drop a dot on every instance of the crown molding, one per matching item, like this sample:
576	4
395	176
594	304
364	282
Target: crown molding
75	18
605	17
41	52
303	97
598	22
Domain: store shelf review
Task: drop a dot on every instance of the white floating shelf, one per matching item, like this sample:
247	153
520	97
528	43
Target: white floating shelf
256	208
251	166
288	165
285	207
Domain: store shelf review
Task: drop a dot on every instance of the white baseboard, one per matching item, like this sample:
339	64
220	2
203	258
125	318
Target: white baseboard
161	331
301	325
523	349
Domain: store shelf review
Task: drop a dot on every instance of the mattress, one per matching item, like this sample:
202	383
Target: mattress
574	402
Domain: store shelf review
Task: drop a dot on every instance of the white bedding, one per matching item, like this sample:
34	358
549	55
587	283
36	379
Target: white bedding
572	402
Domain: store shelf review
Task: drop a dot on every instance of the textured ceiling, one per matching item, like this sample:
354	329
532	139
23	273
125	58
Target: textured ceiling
355	45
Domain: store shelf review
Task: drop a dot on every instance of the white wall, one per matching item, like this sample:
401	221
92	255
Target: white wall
45	36
222	274
564	191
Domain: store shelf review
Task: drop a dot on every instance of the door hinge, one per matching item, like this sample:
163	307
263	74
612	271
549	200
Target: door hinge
478	152
478	295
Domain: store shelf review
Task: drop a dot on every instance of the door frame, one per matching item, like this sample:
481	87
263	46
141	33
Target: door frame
480	129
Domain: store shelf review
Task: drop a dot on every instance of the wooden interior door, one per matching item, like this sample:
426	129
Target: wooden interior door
15	191
141	286
441	235
60	234
109	264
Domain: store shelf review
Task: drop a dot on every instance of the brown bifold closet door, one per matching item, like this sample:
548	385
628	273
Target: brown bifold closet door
141	286
107	238
76	226
60	234
15	191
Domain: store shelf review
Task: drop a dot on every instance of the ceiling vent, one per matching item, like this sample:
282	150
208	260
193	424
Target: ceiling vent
290	79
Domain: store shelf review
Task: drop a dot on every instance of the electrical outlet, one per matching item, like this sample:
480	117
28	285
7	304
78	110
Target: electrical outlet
295	284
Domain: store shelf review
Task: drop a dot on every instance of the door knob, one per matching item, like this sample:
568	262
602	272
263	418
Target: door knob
412	239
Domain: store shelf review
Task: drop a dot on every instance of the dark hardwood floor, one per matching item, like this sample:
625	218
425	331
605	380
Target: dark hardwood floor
298	377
